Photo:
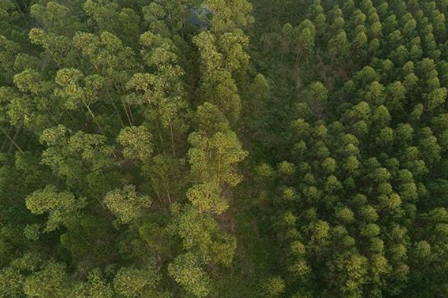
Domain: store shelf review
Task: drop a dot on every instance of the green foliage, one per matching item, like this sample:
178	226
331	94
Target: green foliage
137	143
126	204
131	282
95	287
50	281
186	271
223	148
61	207
274	287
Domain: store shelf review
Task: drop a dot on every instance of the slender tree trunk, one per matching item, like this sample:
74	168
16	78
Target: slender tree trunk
160	135
13	142
97	124
124	104
130	113
118	114
126	111
157	193
4	142
183	19
169	197
115	107
19	128
172	139
20	9
93	117
218	182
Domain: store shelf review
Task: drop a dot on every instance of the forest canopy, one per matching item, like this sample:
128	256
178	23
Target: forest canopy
223	148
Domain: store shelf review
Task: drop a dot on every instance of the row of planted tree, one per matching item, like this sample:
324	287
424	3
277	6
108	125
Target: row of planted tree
358	202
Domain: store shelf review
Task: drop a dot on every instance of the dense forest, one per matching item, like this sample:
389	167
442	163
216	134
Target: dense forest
223	148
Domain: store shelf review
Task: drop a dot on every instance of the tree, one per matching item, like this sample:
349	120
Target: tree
61	207
137	143
306	34
79	158
50	281
132	282
274	287
186	271
212	159
126	204
233	14
95	286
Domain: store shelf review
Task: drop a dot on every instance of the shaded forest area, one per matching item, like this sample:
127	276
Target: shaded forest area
223	148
